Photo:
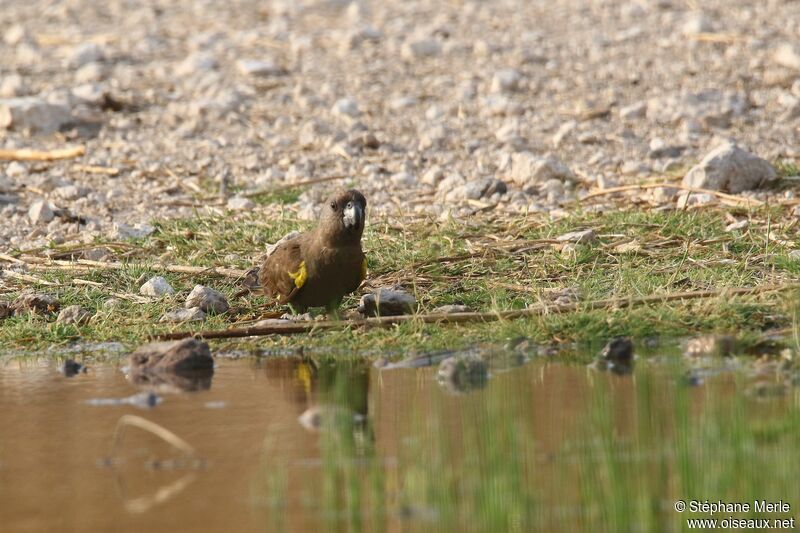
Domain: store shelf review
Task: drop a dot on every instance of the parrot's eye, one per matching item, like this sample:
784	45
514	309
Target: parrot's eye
333	206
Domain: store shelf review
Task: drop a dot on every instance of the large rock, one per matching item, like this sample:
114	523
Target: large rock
731	169
387	302
185	355
33	115
207	299
177	366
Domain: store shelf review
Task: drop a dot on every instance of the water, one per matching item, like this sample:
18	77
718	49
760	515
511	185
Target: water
541	446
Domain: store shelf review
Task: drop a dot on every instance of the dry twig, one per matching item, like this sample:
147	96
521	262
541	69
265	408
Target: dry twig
27	154
451	318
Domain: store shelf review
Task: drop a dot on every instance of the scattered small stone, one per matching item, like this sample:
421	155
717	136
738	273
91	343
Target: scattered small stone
260	68
40	212
74	314
72	368
788	55
197	63
137	231
529	171
587	236
5	309
37	303
696	23
506	81
191	314
688	199
346	107
207	299
240	203
387	302
461	373
33	115
451	308
156	286
731	169
710	345
421	49
12	85
84	53
794	255
660	149
738	226
634	111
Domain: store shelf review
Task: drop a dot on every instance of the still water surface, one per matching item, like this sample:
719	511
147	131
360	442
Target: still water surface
542	445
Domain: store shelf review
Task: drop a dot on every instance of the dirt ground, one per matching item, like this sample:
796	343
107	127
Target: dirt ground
440	108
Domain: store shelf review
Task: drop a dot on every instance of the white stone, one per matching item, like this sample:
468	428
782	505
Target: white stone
192	314
506	81
74	314
40	212
696	22
690	199
633	111
15	35
729	168
587	236
33	115
260	68
528	170
156	286
197	62
207	299
420	49
124	231
86	53
346	107
240	203
12	85
788	55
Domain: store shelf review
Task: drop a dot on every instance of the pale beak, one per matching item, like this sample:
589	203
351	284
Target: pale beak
353	215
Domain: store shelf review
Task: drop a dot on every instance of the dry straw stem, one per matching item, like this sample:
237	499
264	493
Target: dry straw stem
27	154
38	263
727	198
452	318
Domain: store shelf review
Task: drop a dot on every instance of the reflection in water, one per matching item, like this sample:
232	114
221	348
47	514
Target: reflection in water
185	459
543	446
163	382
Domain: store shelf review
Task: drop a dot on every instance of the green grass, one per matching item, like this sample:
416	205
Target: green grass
640	253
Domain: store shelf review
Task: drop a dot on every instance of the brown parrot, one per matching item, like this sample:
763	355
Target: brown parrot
319	267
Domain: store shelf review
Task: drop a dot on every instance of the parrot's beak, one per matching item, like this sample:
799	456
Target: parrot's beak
353	216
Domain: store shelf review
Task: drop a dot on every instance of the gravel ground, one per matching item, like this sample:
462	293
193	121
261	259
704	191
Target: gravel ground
440	108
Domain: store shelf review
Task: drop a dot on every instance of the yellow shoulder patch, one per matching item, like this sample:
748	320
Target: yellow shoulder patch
300	276
364	269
